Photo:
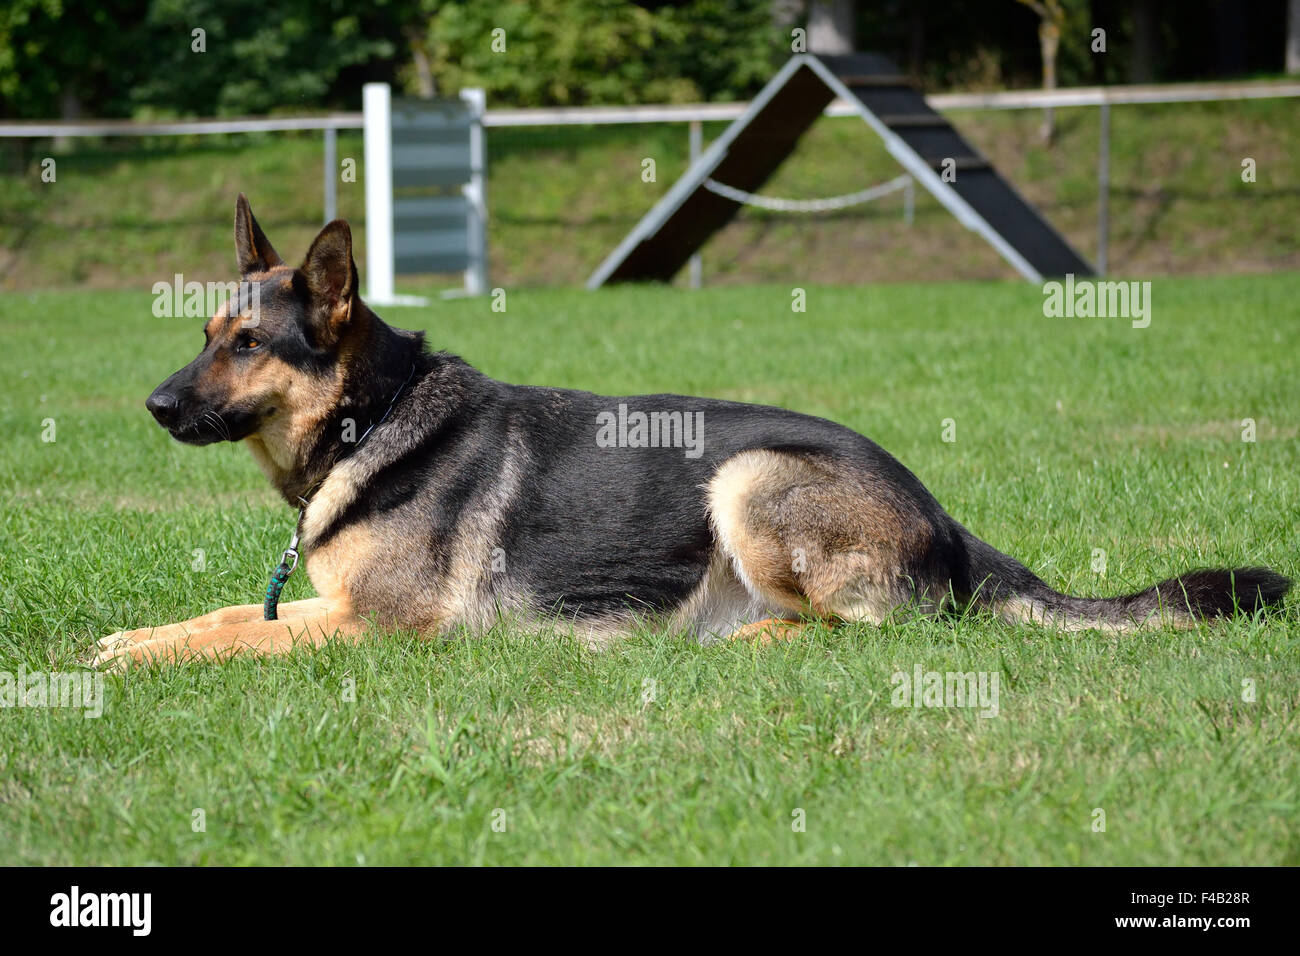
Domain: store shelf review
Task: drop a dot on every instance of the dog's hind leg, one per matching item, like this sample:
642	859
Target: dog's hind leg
769	631
813	536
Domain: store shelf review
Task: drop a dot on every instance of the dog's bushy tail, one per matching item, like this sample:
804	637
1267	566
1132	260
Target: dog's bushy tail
1015	593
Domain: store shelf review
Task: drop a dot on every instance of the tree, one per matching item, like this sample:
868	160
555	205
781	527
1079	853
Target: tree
260	57
66	58
1142	44
1051	22
830	26
1293	37
575	52
109	58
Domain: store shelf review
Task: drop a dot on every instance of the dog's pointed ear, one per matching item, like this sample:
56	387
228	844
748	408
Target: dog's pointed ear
252	249
331	278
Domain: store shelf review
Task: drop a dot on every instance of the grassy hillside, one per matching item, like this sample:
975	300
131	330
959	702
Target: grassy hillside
128	214
1072	436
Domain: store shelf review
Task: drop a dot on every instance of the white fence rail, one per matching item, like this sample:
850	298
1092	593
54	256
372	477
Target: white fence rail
691	113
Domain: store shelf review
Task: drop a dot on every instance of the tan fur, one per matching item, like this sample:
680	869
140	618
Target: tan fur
301	401
334	495
742	496
770	631
806	537
370	562
365	564
232	630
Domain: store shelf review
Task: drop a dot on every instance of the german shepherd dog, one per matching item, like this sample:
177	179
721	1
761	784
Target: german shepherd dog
468	499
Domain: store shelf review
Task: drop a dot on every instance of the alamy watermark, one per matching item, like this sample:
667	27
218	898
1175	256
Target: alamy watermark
133	911
1088	299
661	429
200	300
80	689
923	688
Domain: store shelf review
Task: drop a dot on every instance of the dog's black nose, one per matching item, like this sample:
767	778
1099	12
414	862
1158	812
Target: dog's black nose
162	405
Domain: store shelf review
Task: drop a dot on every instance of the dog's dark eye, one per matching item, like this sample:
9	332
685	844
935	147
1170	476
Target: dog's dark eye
249	344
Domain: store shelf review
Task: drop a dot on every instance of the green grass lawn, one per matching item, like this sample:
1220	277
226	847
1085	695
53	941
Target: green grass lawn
1072	435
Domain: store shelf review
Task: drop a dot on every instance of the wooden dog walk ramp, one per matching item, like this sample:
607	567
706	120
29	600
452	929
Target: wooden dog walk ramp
753	146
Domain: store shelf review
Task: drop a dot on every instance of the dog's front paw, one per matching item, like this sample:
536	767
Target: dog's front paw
114	639
111	650
105	659
120	638
106	651
120	656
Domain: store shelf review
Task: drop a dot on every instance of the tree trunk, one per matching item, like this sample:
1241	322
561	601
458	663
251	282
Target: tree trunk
424	85
1293	37
1049	41
830	26
916	40
1141	64
69	109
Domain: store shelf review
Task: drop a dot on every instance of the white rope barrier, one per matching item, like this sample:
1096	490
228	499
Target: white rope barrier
808	205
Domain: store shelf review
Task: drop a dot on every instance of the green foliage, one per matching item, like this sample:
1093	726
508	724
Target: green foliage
571	52
133	57
57	53
108	58
260	57
140	57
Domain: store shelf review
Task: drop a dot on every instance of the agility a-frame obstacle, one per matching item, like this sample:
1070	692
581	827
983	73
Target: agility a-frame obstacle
922	140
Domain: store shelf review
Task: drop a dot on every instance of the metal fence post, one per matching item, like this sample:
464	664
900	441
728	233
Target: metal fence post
697	146
331	173
1103	190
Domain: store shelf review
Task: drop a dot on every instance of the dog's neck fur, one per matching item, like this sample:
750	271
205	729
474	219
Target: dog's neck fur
374	361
